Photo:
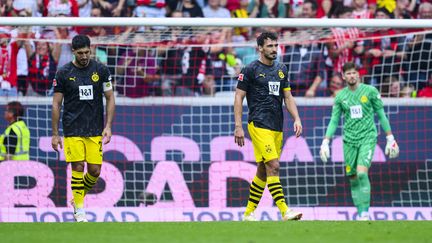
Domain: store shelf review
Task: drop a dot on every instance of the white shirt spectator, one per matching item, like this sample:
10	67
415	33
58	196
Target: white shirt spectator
19	5
85	10
216	13
214	10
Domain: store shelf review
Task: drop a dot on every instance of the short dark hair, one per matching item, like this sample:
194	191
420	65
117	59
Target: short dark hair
349	65
266	35
342	10
313	3
385	11
16	108
80	41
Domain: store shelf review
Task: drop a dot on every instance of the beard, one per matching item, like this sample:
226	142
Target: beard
83	62
271	56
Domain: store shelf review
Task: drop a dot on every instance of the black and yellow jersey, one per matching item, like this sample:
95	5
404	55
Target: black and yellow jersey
83	91
264	87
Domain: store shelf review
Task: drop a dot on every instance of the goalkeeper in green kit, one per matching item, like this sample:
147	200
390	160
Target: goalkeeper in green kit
358	103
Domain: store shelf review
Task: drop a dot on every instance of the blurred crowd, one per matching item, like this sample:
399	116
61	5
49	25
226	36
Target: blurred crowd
180	61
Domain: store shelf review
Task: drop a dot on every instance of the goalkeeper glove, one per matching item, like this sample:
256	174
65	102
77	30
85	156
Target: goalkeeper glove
325	150
392	148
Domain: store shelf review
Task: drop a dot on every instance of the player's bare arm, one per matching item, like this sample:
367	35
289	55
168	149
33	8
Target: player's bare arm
292	109
110	110
56	107
238	111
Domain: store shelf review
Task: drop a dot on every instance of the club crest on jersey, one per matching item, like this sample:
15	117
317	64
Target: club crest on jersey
281	74
363	99
95	77
348	169
240	77
54	82
268	148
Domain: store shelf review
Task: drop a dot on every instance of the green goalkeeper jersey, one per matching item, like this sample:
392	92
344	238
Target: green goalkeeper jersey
358	108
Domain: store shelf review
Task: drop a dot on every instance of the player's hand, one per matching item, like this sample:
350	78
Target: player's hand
106	135
310	93
325	150
392	148
298	128
56	142
239	136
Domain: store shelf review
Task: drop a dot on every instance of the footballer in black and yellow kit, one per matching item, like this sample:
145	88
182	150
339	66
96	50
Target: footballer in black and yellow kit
81	86
266	87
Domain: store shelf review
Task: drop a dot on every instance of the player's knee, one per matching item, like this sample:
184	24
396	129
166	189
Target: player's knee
95	172
272	167
261	170
78	166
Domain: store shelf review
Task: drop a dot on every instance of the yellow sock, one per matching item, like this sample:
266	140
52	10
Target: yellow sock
256	190
89	182
276	191
77	185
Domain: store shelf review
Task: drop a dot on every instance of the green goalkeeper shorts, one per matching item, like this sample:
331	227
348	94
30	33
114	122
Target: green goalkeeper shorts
358	154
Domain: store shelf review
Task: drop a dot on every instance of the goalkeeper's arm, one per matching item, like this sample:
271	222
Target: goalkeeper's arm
392	148
331	129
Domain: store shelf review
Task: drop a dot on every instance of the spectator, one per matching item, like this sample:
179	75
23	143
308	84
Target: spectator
345	47
309	9
418	58
404	9
54	8
31	7
267	9
43	65
150	9
336	84
425	10
391	87
335	6
361	10
189	8
214	10
383	55
23	33
15	140
426	91
85	7
171	58
324	8
111	8
233	5
196	66
8	64
408	91
6	8
306	68
241	33
137	72
223	61
58	34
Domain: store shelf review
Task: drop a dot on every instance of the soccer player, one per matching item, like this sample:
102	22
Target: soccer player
265	85
358	103
15	140
82	84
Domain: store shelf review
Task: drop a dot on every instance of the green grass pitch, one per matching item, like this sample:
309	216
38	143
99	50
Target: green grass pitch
238	232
